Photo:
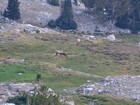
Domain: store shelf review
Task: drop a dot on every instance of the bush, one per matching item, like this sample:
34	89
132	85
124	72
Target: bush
97	29
38	77
52	24
125	22
38	98
66	23
19	100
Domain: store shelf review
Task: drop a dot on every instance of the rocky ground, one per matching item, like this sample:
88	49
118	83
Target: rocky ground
124	86
8	90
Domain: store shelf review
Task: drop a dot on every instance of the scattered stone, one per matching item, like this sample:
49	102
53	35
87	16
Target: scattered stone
70	102
89	81
122	86
31	29
20	73
111	37
88	37
50	90
8	90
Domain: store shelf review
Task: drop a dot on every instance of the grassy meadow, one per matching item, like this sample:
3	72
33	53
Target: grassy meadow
97	57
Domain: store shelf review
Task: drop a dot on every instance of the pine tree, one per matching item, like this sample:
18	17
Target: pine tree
38	77
65	20
135	16
12	11
53	2
66	9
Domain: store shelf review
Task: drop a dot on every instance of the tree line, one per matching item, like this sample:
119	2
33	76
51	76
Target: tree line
64	21
123	13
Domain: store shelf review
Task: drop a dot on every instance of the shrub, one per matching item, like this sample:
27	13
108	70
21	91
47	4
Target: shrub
38	77
52	24
38	98
125	22
66	23
19	100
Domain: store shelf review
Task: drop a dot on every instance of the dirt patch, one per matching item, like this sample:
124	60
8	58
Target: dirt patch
74	72
6	38
10	60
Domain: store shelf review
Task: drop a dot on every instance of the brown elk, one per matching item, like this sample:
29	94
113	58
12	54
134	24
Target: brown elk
61	52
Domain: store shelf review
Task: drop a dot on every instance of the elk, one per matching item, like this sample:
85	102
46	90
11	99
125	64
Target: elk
61	52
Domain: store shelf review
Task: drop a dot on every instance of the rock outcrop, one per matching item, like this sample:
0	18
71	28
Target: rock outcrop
8	90
122	86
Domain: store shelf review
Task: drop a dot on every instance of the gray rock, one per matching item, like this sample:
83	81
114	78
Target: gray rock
31	29
88	37
111	37
70	102
124	86
8	90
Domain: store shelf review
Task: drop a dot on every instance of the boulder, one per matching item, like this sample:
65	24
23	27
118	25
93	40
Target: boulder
88	37
111	37
70	102
31	29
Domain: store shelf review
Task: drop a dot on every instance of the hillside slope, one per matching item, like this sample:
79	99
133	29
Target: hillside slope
39	12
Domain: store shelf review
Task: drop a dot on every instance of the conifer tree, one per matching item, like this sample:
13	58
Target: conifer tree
12	11
65	20
38	77
66	9
53	2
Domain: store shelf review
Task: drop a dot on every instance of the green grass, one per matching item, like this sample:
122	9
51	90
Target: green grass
34	54
92	64
55	80
11	73
88	57
64	81
130	38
